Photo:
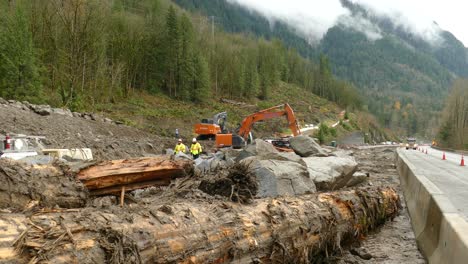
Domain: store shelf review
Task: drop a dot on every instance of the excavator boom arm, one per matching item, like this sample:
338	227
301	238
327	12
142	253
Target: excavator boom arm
273	112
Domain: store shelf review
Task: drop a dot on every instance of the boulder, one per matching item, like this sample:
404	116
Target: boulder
3	101
42	110
203	165
263	147
230	153
284	156
357	178
217	164
182	156
168	151
305	146
278	177
330	173
243	154
61	111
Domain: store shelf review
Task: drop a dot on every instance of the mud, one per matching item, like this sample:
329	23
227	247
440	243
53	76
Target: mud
394	242
106	140
25	187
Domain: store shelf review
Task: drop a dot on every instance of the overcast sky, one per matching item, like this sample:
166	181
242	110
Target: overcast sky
314	17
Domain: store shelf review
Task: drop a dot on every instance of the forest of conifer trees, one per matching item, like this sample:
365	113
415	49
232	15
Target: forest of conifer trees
79	53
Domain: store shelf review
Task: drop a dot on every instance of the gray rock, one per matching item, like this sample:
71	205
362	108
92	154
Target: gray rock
230	153
251	148
284	156
3	101
61	111
87	116
17	104
244	154
357	178
182	156
42	110
219	155
277	177
11	101
169	151
217	164
76	114
203	165
330	173
263	147
305	146
108	120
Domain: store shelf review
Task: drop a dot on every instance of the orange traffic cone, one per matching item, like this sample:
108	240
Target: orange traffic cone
462	162
443	156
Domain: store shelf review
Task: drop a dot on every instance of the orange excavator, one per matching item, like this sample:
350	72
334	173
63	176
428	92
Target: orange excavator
243	135
208	128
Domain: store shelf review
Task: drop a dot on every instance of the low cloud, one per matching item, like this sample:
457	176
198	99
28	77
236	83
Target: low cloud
312	18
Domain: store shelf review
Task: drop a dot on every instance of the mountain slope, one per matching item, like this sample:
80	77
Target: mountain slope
404	76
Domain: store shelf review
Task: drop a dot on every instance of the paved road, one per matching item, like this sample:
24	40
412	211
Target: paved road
447	175
454	158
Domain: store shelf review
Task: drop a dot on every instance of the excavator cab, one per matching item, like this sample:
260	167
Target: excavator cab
208	128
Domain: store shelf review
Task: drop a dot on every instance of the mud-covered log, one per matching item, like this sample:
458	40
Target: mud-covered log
108	176
283	230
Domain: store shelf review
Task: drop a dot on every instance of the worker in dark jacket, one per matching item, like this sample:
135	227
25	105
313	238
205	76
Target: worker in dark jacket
195	149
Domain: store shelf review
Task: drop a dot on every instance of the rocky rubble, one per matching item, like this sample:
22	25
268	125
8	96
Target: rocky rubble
286	173
45	110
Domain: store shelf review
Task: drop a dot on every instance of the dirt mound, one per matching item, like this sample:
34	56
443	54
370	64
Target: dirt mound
25	186
107	140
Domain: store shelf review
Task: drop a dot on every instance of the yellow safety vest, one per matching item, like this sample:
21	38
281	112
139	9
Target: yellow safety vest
195	148
179	148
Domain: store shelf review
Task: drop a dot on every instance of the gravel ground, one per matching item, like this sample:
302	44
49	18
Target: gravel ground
394	242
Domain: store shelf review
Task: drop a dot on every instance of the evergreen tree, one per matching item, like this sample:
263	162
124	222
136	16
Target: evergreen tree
172	53
19	66
186	62
201	89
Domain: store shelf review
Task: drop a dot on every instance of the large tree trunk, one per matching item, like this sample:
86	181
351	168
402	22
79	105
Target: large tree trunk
283	230
110	177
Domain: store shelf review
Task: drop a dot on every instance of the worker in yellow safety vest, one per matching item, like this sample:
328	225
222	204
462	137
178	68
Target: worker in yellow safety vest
195	148
180	147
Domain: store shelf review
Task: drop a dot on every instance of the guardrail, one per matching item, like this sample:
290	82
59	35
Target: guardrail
440	231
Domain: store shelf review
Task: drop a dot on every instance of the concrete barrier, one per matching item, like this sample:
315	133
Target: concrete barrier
441	233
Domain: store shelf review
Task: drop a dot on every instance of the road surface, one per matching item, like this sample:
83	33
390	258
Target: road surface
447	175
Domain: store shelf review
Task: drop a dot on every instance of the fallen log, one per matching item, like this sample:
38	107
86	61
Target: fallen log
110	177
301	229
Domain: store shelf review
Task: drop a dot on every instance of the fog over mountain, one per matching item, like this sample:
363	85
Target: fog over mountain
312	18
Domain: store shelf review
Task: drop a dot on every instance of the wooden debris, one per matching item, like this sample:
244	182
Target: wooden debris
109	177
300	229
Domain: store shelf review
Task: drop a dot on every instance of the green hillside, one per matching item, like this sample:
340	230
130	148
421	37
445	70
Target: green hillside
403	77
154	65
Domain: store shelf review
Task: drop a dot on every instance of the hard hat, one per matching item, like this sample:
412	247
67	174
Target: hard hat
180	140
194	140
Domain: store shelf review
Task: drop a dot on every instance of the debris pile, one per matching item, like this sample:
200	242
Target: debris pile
251	205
